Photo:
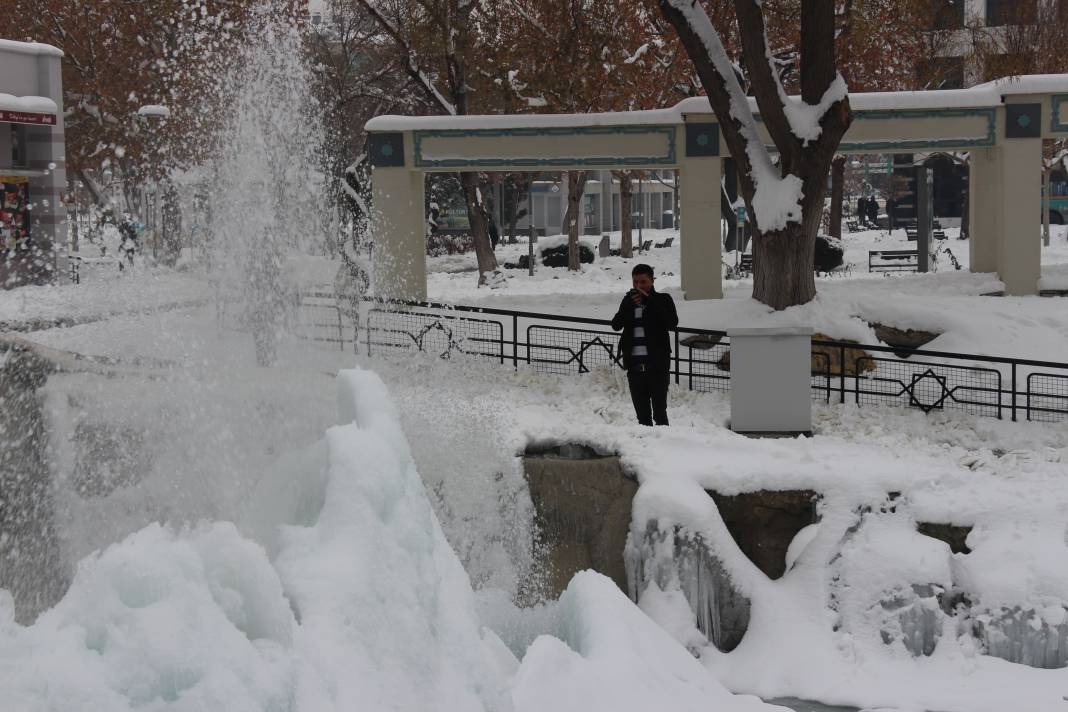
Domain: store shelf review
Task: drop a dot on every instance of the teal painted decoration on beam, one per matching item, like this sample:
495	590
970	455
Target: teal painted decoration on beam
667	158
702	139
386	150
1023	121
989	137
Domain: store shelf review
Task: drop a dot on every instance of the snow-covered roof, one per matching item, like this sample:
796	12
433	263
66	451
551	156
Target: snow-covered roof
35	104
511	121
30	48
982	95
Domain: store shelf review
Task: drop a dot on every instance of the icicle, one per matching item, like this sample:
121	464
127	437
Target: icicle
722	613
1023	636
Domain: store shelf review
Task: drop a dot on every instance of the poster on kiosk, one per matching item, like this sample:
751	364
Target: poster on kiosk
14	213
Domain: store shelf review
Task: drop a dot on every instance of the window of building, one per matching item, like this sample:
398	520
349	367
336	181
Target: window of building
18	145
1009	12
997	66
947	14
941	73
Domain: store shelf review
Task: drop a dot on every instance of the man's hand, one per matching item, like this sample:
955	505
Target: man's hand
636	296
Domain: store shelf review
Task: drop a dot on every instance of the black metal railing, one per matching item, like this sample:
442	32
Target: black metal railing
842	371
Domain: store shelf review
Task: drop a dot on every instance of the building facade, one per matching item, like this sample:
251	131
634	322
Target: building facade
981	40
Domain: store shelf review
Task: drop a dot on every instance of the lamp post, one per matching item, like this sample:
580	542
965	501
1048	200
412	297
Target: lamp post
154	114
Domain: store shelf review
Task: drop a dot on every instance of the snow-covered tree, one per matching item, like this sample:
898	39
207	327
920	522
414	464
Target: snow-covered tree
784	195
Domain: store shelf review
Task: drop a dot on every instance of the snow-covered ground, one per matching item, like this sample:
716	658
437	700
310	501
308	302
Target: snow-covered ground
296	571
948	301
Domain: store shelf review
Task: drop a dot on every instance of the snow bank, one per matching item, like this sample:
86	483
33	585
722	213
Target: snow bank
163	620
1017	563
607	655
365	605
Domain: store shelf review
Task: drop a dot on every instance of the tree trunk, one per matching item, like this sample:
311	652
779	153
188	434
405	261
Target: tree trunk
476	215
626	190
783	272
837	182
576	187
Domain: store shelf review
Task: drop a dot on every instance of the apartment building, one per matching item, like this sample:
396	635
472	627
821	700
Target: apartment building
980	40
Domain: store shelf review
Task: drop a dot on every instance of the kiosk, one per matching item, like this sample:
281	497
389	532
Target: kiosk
32	172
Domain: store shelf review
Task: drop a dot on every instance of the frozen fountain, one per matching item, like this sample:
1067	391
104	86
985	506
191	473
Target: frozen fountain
268	192
172	421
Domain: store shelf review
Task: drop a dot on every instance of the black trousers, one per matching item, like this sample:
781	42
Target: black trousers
648	390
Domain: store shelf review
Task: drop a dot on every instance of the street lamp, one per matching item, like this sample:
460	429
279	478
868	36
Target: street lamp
154	113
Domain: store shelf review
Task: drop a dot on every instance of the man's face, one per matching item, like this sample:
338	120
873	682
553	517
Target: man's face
643	282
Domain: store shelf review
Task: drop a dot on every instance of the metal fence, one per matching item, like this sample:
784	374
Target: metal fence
842	372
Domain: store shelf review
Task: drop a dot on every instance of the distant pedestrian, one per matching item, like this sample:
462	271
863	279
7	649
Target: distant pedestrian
646	318
128	245
873	211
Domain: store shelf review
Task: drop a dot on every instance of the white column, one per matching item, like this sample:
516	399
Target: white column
1020	259
399	234
701	253
984	209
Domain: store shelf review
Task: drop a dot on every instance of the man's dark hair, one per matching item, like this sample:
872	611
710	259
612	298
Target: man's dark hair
642	269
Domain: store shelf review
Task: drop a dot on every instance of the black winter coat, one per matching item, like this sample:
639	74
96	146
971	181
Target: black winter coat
659	318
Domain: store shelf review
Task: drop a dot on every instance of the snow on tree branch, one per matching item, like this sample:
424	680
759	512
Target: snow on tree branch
776	199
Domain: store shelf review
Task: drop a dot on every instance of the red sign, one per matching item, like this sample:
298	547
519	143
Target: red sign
27	117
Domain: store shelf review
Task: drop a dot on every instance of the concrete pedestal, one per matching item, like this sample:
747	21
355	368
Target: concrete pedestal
771	381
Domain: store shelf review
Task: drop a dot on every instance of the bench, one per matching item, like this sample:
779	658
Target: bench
745	266
852	225
893	260
644	247
911	233
665	243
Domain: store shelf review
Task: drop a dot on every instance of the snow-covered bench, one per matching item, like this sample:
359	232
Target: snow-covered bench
893	260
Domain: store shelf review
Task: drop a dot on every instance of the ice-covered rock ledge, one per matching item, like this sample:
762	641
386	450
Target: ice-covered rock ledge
864	594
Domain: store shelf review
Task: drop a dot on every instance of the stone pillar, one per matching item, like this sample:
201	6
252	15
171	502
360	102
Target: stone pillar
605	219
399	258
984	209
1020	249
701	253
770	380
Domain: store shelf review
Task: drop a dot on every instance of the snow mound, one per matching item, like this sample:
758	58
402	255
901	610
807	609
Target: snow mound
387	615
607	655
163	620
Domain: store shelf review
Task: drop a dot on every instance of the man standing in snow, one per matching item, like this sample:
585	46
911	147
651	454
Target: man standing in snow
646	318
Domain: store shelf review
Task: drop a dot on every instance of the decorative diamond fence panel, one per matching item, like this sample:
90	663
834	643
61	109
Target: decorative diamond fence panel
928	385
441	334
554	349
